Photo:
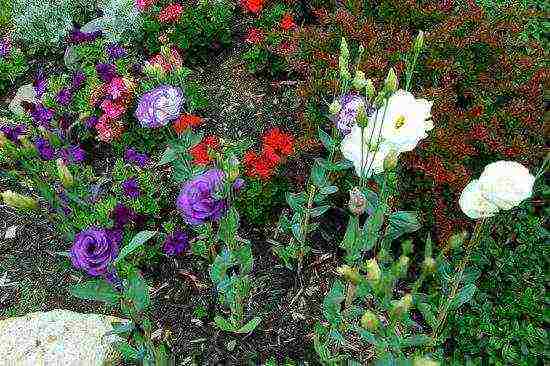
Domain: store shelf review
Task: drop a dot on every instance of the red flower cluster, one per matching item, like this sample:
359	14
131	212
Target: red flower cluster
253	6
186	121
287	22
255	36
171	13
201	152
277	146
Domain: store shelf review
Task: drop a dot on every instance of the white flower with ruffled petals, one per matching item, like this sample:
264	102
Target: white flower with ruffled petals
473	204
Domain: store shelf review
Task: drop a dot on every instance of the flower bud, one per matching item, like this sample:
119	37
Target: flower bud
64	174
419	42
19	201
344	60
373	270
370	321
402	306
335	107
362	118
349	273
357	201
390	161
154	71
233	168
429	265
359	81
371	90
391	82
403	264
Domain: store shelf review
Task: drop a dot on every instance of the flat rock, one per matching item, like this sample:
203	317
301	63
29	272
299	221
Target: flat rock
11	232
25	93
58	337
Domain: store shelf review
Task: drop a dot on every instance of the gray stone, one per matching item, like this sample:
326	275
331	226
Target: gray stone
25	93
11	232
58	337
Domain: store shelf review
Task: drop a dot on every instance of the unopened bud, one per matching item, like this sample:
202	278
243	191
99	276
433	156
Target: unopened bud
373	270
25	142
402	306
403	264
429	265
349	273
19	201
154	70
370	321
64	174
370	89
359	81
390	161
357	201
233	168
419	42
362	117
344	60
391	82
335	107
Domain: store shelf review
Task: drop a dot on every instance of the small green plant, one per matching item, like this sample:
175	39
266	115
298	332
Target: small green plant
12	67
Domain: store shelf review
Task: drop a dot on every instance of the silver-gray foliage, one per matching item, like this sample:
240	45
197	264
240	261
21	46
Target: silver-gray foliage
121	21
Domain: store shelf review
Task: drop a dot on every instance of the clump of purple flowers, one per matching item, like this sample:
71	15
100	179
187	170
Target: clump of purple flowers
176	243
64	97
94	249
131	188
197	201
45	149
5	47
115	51
106	72
13	133
73	154
76	36
131	156
41	115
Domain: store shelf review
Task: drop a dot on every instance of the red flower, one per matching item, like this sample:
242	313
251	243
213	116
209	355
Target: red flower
200	152
253	6
287	23
186	121
281	143
255	36
171	13
261	166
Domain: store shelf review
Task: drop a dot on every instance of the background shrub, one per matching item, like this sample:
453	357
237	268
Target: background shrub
121	21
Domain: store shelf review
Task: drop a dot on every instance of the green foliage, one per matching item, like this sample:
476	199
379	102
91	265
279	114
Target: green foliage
12	67
258	200
5	13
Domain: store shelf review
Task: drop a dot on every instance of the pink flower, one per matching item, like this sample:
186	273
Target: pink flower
112	110
171	13
167	62
255	36
107	129
119	87
143	5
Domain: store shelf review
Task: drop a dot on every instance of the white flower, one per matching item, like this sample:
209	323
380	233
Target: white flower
506	183
473	204
404	121
351	149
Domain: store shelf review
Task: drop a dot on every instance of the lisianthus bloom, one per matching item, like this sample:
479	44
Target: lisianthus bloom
131	156
108	129
13	133
281	143
287	22
253	6
186	121
121	215
255	36
94	249
115	51
131	188
349	105
112	110
171	13
506	184
473	204
143	5
404	121
367	158
176	243
106	72
64	97
197	201
200	152
45	149
159	106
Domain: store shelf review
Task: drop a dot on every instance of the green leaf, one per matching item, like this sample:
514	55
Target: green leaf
128	352
223	324
163	357
332	303
327	141
298	233
219	267
168	156
137	291
136	242
318	211
318	175
98	290
296	201
250	326
402	222
371	230
244	257
416	340
328	190
122	328
465	295
350	241
229	225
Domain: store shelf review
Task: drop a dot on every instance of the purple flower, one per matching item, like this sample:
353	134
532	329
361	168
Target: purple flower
131	188
238	184
115	51
40	83
107	72
159	106
350	103
94	249
13	133
122	215
78	80
73	154
76	36
64	97
44	148
176	243
5	47
41	115
92	121
133	157
197	202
